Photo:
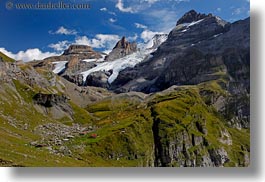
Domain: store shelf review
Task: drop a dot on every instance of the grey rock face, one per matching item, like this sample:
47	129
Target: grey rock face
74	56
8	71
98	79
121	49
184	149
77	49
206	50
156	41
77	79
49	100
191	16
193	56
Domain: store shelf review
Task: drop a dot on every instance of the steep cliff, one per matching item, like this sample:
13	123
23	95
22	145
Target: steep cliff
121	49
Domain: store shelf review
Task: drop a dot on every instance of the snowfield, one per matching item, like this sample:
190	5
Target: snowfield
128	61
188	25
89	60
59	66
118	65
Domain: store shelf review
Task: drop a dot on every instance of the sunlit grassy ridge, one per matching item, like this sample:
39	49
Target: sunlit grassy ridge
124	128
5	58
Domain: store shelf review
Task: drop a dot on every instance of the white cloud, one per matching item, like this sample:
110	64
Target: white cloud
106	41
147	35
237	11
60	46
112	13
103	9
133	38
106	10
28	55
83	40
142	5
121	7
64	31
218	9
151	1
112	20
138	25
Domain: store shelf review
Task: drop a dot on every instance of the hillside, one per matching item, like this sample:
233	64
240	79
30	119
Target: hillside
42	126
172	104
5	58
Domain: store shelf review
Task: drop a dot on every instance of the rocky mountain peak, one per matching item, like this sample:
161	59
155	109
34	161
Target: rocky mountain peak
77	49
121	49
122	43
191	16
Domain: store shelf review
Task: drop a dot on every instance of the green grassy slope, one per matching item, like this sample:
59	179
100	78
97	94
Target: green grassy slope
5	58
129	132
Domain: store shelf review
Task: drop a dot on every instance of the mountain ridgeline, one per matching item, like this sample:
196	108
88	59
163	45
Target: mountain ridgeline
180	100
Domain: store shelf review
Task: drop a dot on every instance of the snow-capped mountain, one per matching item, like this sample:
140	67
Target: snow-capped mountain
198	114
118	65
159	60
128	61
105	69
156	41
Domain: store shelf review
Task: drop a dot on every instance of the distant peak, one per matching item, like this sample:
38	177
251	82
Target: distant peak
192	12
121	49
191	16
123	39
123	43
75	49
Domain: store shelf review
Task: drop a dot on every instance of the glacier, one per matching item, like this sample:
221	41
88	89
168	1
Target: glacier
59	66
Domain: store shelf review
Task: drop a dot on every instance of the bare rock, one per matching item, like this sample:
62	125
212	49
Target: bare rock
122	49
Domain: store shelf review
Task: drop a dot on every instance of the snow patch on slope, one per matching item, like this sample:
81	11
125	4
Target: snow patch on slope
128	61
156	41
194	23
188	25
59	66
118	65
89	60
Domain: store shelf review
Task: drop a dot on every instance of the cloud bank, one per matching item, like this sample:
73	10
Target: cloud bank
28	55
63	31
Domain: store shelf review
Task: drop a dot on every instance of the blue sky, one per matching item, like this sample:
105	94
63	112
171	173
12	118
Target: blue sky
35	34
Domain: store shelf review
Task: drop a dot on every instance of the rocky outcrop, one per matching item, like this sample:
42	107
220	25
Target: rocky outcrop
121	49
76	79
98	79
78	49
49	100
187	138
81	52
73	56
8	71
191	16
